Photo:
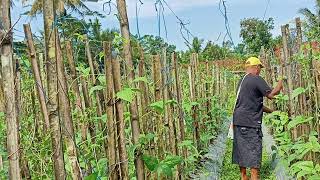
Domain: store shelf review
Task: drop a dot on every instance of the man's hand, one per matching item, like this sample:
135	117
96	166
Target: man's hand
276	90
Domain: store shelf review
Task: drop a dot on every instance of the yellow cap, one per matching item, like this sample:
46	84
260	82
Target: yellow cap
253	61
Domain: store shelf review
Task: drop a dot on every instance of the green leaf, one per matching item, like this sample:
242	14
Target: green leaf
172	161
84	71
302	174
314	177
126	94
165	169
157	106
298	120
102	79
101	55
187	106
298	91
93	176
151	162
143	79
95	88
314	144
102	163
303	165
103	118
186	143
150	136
171	101
1	114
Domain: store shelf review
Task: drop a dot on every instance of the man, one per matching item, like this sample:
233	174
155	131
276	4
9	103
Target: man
247	118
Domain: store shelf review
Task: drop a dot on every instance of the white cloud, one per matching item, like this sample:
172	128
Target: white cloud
147	9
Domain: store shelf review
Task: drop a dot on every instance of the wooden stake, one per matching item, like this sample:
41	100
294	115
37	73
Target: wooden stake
120	121
111	135
37	75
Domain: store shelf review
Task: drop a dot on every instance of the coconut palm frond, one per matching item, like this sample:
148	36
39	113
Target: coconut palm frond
36	8
312	18
80	8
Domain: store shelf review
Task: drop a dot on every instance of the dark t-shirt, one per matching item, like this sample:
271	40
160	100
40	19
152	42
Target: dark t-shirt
248	110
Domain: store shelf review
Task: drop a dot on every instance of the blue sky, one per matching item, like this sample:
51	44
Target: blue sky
204	18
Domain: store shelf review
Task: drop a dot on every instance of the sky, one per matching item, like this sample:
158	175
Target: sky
203	17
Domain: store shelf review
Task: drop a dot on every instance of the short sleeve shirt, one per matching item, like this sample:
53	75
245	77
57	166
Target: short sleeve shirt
249	106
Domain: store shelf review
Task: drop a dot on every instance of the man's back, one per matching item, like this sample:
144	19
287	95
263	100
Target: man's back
249	106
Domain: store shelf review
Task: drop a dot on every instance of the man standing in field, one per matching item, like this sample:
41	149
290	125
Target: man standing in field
247	118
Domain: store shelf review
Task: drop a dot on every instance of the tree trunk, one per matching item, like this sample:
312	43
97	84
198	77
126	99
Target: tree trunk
58	161
125	32
11	116
37	75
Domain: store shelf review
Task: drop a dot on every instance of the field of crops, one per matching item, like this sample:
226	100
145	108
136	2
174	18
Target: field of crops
106	105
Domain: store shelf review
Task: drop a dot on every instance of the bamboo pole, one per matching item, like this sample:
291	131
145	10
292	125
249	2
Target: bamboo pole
93	78
287	65
52	104
144	100
111	135
301	83
207	92
37	75
158	93
11	116
65	110
120	121
286	61
134	115
192	77
179	99
2	109
179	124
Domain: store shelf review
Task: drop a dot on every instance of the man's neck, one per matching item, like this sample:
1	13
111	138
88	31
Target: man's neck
250	72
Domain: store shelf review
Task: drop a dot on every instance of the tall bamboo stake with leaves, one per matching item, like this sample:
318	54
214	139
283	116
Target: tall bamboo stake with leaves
111	125
157	97
144	100
123	157
52	104
11	116
287	65
179	99
65	111
125	32
75	87
37	75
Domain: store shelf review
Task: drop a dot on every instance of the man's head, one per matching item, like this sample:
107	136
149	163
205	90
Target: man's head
253	66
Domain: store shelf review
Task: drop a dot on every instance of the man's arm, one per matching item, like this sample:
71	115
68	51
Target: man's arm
276	90
267	110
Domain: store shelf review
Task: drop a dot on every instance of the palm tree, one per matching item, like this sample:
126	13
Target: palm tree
313	20
196	45
75	5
